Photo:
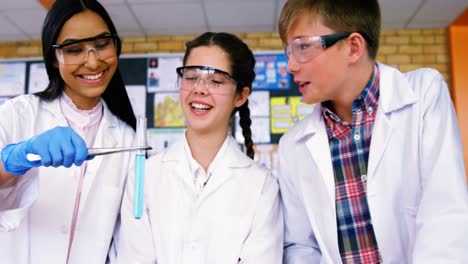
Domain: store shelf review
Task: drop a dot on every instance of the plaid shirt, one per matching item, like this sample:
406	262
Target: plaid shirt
349	146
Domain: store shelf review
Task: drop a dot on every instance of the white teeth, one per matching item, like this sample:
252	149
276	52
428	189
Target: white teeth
93	77
200	106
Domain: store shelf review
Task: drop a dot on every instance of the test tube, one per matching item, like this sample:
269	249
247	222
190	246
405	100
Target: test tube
139	168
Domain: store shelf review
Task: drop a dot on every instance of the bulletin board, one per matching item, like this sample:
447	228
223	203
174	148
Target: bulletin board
275	102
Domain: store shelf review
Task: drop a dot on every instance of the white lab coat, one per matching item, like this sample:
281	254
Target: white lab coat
416	183
236	218
36	213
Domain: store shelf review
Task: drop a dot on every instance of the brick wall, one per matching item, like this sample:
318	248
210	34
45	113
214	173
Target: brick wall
404	49
411	49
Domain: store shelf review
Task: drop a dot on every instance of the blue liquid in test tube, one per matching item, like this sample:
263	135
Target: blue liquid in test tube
140	157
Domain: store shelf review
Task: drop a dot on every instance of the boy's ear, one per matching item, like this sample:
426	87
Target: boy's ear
357	47
242	97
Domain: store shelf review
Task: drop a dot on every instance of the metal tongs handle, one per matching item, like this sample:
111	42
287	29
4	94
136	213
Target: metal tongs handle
104	151
97	151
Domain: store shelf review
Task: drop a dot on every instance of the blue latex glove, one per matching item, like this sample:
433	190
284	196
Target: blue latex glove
60	146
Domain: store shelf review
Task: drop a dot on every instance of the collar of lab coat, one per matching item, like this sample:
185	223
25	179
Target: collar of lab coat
395	93
108	121
233	157
232	164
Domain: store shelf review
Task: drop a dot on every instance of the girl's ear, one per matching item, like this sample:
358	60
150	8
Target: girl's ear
241	97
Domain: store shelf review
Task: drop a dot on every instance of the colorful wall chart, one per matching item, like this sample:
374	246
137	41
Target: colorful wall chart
286	111
167	110
271	74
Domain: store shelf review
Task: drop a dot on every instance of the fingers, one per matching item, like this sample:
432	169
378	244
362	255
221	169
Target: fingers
68	154
39	146
60	146
55	154
80	153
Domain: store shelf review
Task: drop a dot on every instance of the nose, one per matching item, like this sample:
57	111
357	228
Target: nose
91	58
200	89
292	66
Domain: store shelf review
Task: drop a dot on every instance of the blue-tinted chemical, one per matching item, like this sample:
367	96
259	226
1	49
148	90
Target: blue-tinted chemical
139	185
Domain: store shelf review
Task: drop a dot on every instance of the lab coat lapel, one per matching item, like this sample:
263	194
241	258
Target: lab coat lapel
318	189
381	135
316	140
228	166
395	94
175	159
105	138
53	107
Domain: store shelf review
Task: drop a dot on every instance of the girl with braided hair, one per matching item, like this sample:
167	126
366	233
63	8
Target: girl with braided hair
205	201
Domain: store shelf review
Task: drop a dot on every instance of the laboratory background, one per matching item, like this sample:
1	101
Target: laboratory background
415	34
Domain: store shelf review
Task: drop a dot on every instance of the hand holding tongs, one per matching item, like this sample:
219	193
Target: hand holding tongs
97	151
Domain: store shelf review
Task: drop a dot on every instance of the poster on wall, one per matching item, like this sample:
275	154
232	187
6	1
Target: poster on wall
167	110
137	96
12	78
259	103
259	127
271	73
286	111
260	115
38	79
161	138
162	74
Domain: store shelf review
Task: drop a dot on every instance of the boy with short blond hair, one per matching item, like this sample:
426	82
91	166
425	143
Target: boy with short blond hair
375	173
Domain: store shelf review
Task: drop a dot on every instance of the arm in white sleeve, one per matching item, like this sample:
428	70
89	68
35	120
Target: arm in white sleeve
265	242
442	216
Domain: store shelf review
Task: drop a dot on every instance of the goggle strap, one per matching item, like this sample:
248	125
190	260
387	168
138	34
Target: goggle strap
330	40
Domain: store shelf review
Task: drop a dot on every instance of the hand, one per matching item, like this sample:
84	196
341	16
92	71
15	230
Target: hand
60	146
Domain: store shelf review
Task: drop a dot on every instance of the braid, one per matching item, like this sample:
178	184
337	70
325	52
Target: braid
245	122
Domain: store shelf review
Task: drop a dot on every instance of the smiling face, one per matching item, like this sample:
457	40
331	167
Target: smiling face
322	77
206	112
85	83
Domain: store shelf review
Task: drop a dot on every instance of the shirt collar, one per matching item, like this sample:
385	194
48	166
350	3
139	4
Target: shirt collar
368	98
370	94
81	118
194	165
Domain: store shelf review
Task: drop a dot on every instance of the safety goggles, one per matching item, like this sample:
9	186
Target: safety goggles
216	81
306	48
77	51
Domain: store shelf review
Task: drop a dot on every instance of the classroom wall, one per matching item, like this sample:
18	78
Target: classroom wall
404	49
